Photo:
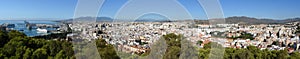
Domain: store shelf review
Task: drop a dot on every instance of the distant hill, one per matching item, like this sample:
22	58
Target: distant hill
250	20
108	19
98	19
230	20
152	20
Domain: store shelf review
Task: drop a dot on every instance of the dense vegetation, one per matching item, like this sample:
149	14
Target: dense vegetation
174	46
251	52
15	45
106	51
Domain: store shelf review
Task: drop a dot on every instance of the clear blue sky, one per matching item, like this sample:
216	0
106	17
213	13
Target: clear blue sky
64	9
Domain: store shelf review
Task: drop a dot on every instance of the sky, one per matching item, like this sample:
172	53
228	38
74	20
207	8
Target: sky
64	9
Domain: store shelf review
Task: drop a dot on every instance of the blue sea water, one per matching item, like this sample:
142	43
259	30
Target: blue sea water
20	26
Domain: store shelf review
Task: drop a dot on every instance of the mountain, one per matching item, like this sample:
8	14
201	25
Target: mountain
229	20
98	19
108	19
153	20
292	20
250	20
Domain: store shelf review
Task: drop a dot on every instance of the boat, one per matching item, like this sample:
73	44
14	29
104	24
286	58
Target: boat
11	26
39	30
21	30
7	25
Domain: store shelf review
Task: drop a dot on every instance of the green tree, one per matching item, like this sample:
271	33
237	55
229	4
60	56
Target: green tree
39	54
106	51
27	53
67	47
206	46
244	54
229	53
60	55
172	52
255	51
19	46
295	55
282	54
15	33
204	53
53	47
3	38
199	42
174	46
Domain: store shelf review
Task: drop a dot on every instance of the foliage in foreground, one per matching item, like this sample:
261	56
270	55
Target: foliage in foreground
251	52
15	45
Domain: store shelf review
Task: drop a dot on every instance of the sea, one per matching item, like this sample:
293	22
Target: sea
20	26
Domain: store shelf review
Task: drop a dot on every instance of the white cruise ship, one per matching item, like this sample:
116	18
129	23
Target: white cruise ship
41	30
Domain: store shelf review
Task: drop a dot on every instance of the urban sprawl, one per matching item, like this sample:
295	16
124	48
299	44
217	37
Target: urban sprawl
136	37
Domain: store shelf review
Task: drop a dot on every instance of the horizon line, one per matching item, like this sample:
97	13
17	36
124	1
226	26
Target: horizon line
113	19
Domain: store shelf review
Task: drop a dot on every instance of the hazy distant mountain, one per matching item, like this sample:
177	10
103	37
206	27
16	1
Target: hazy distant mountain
98	19
108	19
230	20
153	20
292	20
250	20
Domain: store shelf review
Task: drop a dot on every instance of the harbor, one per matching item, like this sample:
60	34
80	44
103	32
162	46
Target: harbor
32	28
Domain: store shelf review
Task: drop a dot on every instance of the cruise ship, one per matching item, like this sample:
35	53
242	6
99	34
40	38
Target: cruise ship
39	30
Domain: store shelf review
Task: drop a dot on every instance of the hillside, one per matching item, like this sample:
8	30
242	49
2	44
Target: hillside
98	19
229	20
249	20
